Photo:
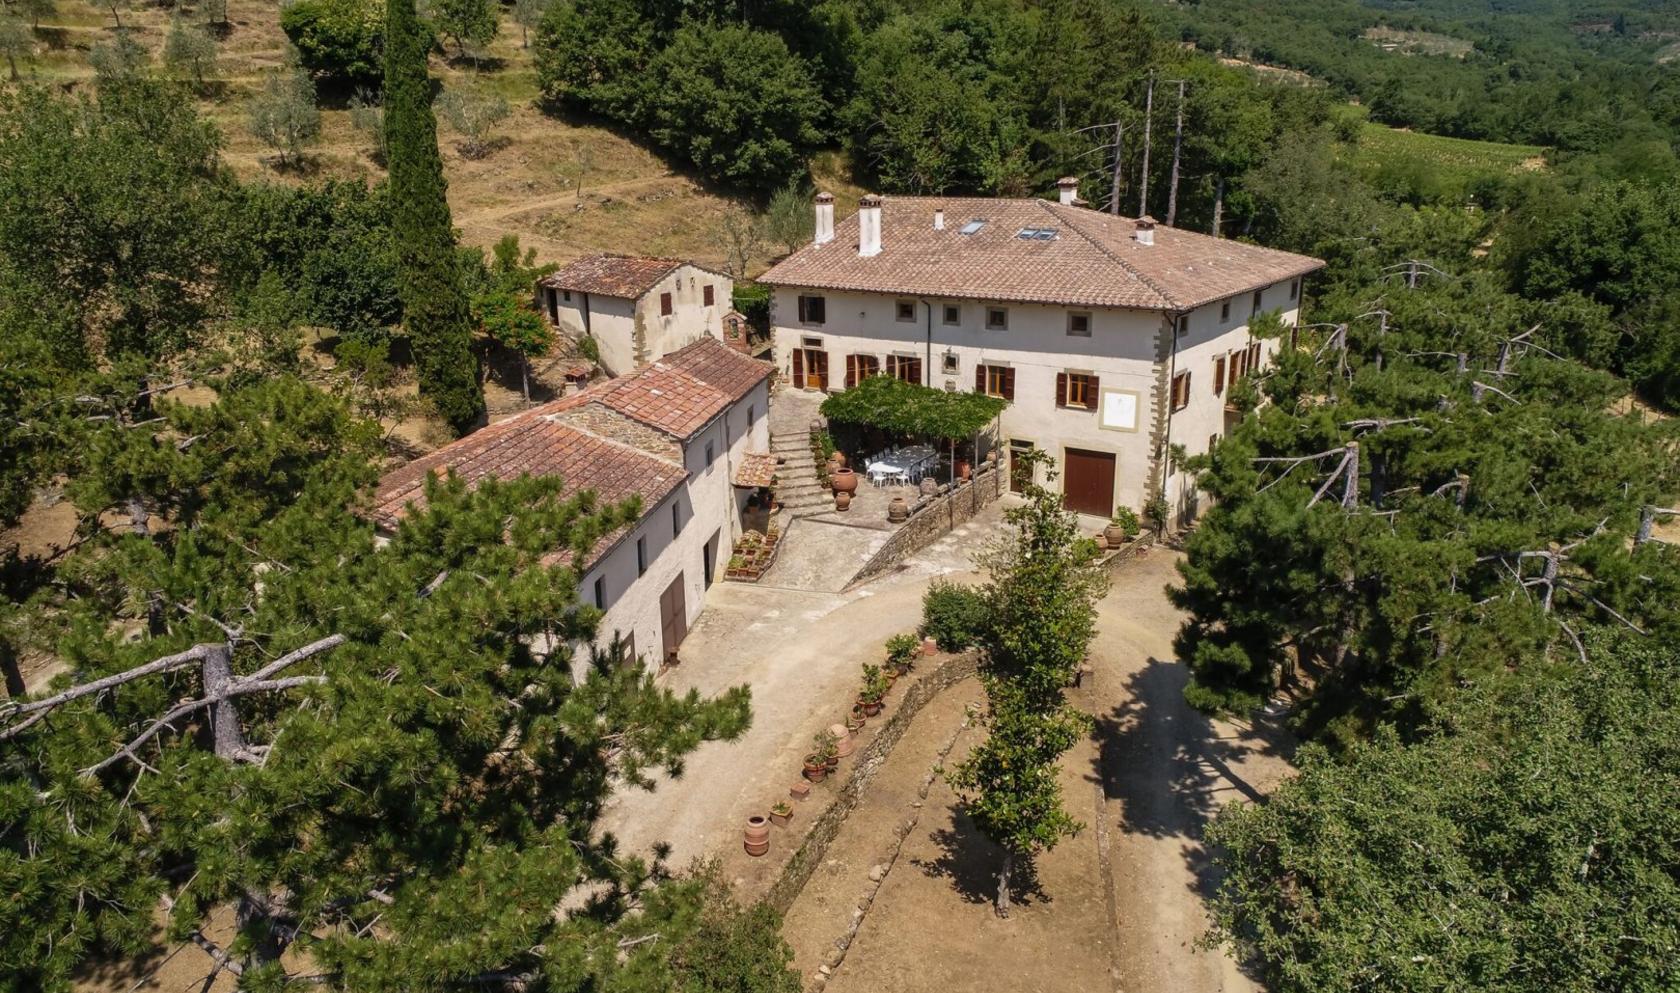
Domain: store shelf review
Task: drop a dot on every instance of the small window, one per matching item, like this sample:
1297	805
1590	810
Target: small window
812	310
810	342
676	519
752	416
907	310
641	555
997	319
1181	391
973	226
1079	325
567	294
1036	234
1257	299
664	305
1294	289
707	295
1218	375
951	364
600	593
953	314
711	454
1225	311
1183	325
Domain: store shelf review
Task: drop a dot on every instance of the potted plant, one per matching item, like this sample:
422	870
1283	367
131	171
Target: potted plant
901	651
1122	527
827	747
780	813
816	770
875	686
855	722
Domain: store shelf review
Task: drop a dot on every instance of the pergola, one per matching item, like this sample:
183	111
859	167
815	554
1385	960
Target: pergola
902	408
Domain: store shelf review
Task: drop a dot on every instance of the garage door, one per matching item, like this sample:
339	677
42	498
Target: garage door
1088	482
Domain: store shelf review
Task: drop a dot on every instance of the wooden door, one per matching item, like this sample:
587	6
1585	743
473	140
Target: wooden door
708	555
816	369
1088	482
673	615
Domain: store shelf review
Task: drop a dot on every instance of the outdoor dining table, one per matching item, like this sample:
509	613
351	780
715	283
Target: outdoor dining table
901	464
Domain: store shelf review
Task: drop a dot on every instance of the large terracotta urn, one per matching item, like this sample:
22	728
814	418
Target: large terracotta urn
843	480
756	837
898	511
842	500
930	486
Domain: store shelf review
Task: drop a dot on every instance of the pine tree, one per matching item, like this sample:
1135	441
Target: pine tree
435	305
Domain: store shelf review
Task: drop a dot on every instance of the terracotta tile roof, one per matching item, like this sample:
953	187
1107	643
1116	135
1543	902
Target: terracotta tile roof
755	469
627	276
720	367
533	443
1090	260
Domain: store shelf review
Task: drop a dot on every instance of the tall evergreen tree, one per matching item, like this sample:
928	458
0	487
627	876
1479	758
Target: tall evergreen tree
435	305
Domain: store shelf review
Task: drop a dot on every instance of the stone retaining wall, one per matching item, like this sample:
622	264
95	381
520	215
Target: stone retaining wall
933	518
952	670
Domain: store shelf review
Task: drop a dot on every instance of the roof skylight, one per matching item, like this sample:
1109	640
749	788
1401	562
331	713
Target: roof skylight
973	226
1036	234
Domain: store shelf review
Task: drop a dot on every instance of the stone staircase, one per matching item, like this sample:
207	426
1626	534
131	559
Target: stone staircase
797	488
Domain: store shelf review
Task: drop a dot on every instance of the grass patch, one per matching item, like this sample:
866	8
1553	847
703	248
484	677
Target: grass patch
1432	167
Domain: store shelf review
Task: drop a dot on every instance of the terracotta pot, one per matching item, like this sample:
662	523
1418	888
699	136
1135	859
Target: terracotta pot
843	480
898	511
929	486
839	459
781	820
1115	534
892	677
1102	542
855	723
800	790
831	761
871	708
756	837
964	470
992	457
842	740
842	500
929	646
816	770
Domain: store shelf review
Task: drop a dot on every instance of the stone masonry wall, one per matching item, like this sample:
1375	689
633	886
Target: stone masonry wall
932	519
951	671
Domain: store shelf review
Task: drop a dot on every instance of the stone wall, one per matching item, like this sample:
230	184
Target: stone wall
952	669
931	518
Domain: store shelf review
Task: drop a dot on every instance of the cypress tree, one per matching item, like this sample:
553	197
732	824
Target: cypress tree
435	306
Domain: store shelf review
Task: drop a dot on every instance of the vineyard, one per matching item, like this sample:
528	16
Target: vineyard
1436	166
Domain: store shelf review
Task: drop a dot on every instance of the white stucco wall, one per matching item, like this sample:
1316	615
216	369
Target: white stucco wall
1120	351
613	321
690	318
708	505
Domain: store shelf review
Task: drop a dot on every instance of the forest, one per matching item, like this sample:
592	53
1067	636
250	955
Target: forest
1443	528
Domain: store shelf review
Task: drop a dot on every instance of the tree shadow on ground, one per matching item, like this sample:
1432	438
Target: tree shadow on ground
971	862
1170	767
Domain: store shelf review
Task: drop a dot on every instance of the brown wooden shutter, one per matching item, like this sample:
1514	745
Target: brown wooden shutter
979	379
851	371
1219	375
1186	387
665	304
799	363
1009	383
1061	389
802	310
1091	392
707	296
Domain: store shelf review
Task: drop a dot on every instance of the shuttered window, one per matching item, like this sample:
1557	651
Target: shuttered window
1077	390
1219	375
1181	390
664	305
995	381
860	368
812	310
904	367
708	295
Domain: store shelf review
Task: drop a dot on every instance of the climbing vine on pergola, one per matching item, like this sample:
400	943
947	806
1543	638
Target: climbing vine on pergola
907	408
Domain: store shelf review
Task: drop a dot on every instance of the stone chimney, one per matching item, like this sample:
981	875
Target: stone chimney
869	226
1145	234
1069	186
939	218
825	219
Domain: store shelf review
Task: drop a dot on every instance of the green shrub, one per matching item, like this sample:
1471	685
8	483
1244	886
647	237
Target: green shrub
901	648
341	41
589	348
953	615
1126	519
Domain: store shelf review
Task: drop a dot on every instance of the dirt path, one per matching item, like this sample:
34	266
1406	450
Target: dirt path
490	215
1165	771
